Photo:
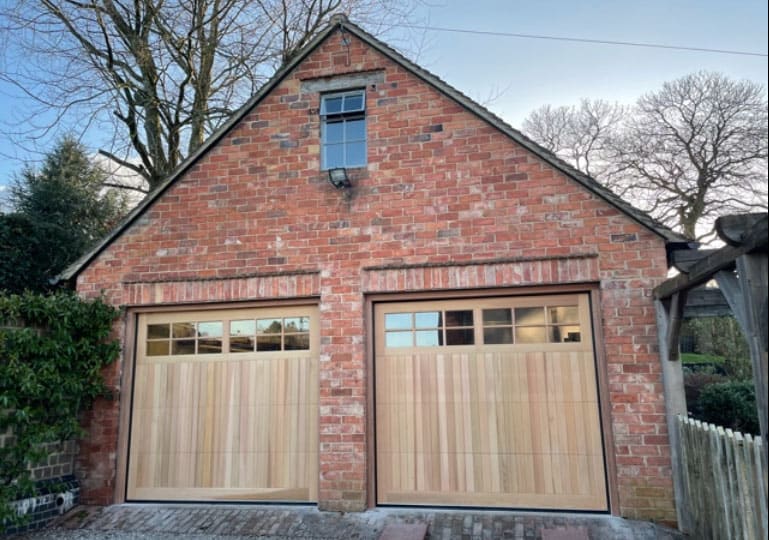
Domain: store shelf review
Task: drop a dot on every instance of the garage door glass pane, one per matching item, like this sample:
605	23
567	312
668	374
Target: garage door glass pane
428	338
530	315
241	344
296	324
242	328
155	331
399	339
183	346
397	321
181	330
565	314
157	348
565	334
210	329
497	317
464	336
497	336
296	342
428	319
533	334
209	346
459	318
268	343
268	326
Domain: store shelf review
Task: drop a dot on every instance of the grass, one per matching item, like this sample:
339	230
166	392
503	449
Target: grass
695	358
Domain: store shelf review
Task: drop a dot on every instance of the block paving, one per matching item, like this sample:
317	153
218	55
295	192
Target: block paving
233	522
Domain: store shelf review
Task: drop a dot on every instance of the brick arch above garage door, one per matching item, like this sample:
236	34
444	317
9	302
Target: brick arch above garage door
488	402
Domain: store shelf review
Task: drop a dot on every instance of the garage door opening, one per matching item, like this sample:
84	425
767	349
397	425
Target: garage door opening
225	406
488	402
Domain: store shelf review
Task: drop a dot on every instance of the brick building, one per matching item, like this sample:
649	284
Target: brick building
461	320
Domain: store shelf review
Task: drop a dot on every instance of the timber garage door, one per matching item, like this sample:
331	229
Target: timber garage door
488	402
225	406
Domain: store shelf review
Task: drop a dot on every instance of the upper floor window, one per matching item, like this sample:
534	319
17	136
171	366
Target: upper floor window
343	129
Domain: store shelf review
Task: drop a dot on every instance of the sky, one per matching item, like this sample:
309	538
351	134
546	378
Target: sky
513	76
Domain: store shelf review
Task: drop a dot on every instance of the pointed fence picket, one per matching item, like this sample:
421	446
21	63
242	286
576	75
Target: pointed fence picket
725	482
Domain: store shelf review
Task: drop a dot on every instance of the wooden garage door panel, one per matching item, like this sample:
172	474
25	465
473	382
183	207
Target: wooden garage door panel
488	426
240	426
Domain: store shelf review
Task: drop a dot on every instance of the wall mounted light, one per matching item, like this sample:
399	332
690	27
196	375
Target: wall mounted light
339	178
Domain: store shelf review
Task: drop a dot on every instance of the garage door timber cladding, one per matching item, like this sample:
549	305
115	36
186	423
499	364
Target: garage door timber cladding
225	406
488	402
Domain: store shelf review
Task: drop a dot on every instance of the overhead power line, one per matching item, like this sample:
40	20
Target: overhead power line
583	40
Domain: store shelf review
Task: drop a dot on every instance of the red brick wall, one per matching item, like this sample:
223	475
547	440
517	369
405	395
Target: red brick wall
255	218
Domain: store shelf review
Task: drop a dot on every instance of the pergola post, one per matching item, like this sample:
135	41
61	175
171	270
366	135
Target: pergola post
669	314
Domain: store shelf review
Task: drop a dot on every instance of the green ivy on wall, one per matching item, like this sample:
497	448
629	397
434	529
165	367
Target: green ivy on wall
52	351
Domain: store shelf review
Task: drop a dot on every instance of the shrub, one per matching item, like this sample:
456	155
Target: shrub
730	404
52	351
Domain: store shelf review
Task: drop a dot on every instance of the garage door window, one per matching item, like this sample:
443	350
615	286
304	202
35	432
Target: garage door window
181	338
273	334
537	324
429	328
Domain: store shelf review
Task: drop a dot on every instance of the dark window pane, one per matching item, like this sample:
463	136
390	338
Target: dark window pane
530	315
428	319
296	342
331	105
155	331
533	334
157	348
397	321
565	334
356	154
429	338
497	317
334	132
296	324
241	344
353	102
497	336
210	329
459	318
183	346
333	156
462	336
564	314
399	339
242	328
268	326
209	346
268	343
183	330
355	130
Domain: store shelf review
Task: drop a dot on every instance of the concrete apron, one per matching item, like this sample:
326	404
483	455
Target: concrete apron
230	521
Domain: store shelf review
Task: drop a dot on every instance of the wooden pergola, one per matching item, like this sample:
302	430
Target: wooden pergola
740	270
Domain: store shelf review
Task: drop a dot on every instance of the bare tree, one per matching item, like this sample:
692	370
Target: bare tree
582	135
688	153
697	149
158	74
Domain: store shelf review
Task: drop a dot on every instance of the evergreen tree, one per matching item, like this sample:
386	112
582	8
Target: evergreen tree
59	212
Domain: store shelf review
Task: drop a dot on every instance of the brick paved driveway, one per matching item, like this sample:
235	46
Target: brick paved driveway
235	522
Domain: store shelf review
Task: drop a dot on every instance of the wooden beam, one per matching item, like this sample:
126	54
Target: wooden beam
735	229
722	259
675	311
684	259
675	405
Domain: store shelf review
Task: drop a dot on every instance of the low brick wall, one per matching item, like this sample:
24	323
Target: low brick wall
54	497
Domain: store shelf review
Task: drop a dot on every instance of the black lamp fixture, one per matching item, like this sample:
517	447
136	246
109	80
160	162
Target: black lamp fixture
339	178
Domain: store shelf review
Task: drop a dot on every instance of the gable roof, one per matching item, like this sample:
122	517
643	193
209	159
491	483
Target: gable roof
340	22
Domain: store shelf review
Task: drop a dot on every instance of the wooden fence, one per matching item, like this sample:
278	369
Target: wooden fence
725	482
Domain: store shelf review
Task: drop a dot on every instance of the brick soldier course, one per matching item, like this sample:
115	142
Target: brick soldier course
451	199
